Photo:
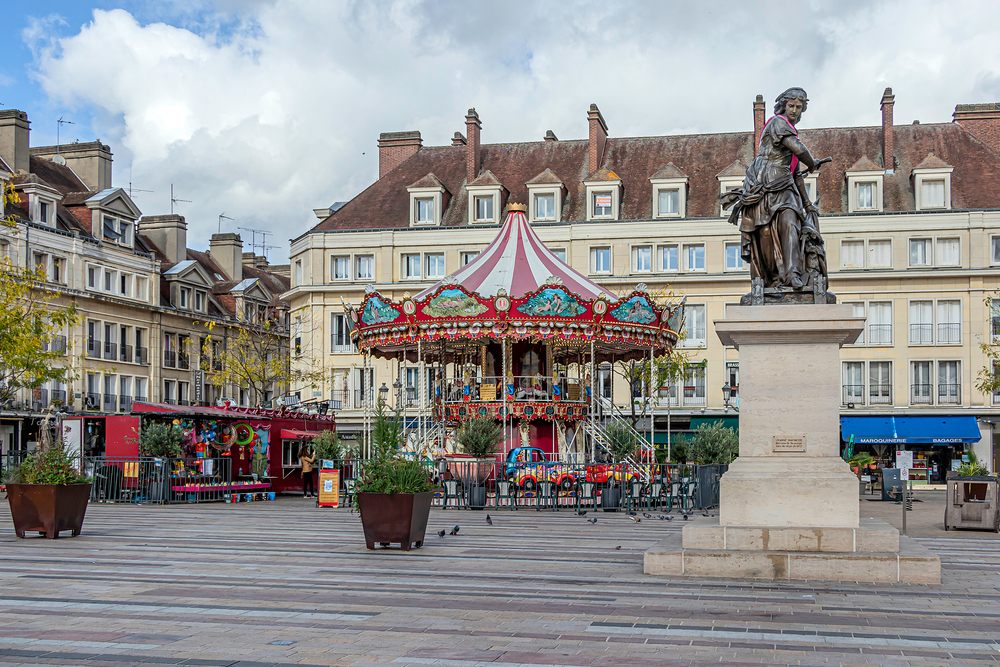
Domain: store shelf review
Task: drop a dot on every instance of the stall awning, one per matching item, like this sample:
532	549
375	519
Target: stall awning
916	430
295	434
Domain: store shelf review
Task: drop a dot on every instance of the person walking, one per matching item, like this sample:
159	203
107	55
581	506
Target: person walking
307	457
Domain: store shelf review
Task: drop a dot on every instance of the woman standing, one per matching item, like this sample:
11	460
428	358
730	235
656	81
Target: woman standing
307	457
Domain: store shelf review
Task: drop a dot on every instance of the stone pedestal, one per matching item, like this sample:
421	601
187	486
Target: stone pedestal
789	504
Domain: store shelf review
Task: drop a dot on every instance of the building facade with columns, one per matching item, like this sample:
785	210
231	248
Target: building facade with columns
145	300
909	215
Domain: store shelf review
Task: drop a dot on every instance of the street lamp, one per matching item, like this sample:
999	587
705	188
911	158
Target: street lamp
398	386
383	391
727	394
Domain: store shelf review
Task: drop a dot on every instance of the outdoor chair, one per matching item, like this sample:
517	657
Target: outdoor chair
673	495
505	492
349	492
687	497
546	496
655	497
633	496
586	492
451	493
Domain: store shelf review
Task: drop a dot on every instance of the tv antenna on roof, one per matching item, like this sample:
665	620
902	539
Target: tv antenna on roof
58	158
175	200
223	216
132	189
253	238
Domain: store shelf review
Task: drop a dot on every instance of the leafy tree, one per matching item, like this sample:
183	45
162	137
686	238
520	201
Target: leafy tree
388	471
667	369
328	446
30	319
714	443
161	440
252	356
622	440
988	378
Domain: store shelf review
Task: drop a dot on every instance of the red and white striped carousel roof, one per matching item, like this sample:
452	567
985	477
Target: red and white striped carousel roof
518	262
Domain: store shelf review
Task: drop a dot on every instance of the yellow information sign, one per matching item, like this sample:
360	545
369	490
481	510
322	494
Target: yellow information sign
329	487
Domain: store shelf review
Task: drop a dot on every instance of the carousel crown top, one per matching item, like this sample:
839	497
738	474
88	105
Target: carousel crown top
517	289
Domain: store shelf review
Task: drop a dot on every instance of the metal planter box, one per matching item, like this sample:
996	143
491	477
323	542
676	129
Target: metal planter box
972	503
397	517
48	508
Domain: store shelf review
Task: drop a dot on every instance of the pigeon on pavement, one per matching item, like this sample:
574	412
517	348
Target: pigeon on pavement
441	533
454	531
594	520
489	519
635	519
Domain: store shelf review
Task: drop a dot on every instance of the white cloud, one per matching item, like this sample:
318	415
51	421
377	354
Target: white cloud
268	109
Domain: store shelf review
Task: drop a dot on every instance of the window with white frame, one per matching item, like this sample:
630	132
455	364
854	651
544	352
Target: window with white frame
949	382
424	210
880	254
545	206
880	382
728	184
880	323
734	258
601	202
921	322
694	257
642	258
93	277
184	297
694	325
483	208
468	255
812	187
852	254
854	381
947	252
995	250
694	384
142	288
920	252
996	383
932	188
340	339
932	193
864	191
560	253
668	202
411	266
669	258
340	267
600	260
200	301
364	267
297	274
858	310
46	212
545	201
949	322
434	264
921	384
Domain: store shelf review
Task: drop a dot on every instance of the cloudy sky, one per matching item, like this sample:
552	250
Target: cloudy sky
266	109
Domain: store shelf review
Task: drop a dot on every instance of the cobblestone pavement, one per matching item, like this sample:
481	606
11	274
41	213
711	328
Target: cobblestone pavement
286	583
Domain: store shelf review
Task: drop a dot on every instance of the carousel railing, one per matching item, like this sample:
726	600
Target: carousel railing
491	388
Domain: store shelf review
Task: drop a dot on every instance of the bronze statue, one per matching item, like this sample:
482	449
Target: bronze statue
779	225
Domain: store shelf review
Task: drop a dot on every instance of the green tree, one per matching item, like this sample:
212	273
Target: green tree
667	370
30	320
714	443
161	440
988	378
479	437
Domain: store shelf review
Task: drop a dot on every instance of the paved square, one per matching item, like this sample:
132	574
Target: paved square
286	583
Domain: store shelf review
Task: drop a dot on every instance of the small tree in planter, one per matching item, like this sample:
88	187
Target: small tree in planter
161	440
327	447
394	493
47	493
478	438
714	444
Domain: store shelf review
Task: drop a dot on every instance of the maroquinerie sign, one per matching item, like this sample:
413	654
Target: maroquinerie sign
783	444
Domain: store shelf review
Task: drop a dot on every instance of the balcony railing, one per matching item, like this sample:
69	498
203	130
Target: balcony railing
518	388
170	400
57	345
142	356
183	361
949	332
880	334
139	399
110	402
880	394
124	403
854	394
921	394
126	354
39	399
110	350
94	348
58	397
949	394
921	334
170	359
92	401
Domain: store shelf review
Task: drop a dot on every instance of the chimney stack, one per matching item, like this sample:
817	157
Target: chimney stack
458	139
888	140
550	136
758	121
981	121
394	148
598	137
226	250
473	126
14	136
169	234
91	161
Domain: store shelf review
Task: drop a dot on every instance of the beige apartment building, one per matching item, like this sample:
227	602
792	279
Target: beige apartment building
144	298
911	220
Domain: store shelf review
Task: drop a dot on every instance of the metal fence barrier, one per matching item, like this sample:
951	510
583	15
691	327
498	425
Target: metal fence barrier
162	481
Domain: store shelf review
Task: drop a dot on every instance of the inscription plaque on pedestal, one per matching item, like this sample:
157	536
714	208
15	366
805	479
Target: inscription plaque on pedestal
781	444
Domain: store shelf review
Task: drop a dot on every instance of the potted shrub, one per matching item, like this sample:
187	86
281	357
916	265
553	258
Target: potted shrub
861	461
478	439
622	443
159	440
393	492
47	493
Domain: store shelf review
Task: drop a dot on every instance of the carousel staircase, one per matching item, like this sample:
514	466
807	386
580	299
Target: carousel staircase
595	429
426	443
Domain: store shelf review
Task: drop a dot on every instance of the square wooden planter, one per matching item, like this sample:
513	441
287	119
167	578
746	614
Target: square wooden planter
395	518
48	508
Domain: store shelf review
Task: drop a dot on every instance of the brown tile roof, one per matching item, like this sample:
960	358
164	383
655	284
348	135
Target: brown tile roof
932	162
428	181
385	203
669	170
486	178
603	174
545	178
76	198
58	176
864	163
736	168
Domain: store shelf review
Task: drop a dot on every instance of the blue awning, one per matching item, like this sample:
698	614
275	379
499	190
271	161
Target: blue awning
916	430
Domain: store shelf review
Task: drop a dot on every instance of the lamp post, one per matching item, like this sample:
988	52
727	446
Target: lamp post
727	393
383	391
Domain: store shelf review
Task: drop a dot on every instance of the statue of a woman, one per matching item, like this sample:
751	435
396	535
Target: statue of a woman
778	224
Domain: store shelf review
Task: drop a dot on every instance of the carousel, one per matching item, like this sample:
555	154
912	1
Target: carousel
516	335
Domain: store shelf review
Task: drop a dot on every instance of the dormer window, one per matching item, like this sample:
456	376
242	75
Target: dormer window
184	298
603	195
812	187
483	208
932	184
864	187
117	230
730	178
43	211
426	201
545	197
484	199
669	192
200	299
